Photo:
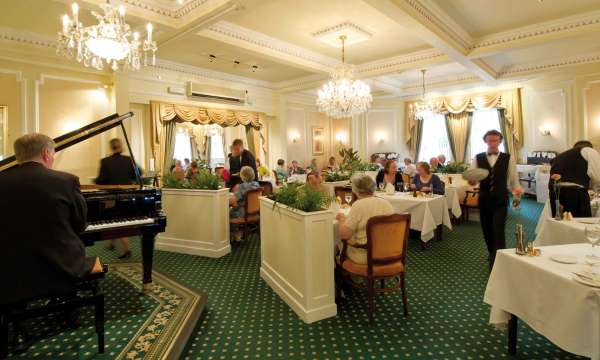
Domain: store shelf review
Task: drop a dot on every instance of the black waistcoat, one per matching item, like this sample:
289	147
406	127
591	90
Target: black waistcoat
496	184
572	167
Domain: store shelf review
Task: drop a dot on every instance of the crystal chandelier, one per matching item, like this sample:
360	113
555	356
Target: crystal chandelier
111	41
343	96
422	107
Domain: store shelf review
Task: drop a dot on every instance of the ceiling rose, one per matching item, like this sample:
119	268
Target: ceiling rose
110	42
343	96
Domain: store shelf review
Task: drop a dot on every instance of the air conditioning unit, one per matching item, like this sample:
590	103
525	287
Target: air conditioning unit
215	93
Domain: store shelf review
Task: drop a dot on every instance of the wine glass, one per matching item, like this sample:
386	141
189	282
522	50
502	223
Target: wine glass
406	187
592	235
348	198
381	186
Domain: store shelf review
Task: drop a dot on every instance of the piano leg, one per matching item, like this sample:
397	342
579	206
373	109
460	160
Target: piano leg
147	254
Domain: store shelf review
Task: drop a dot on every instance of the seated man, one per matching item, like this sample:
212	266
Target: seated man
41	213
238	201
314	181
295	169
354	227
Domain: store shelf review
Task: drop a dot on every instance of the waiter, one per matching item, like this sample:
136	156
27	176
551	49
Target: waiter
493	191
238	158
117	169
579	165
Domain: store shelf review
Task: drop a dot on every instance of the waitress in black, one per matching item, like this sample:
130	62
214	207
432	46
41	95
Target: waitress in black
389	175
493	191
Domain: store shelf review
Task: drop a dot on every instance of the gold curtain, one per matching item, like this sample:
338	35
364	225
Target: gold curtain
411	131
458	131
510	100
163	113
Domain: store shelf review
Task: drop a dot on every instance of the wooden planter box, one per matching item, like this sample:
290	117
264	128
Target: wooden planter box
198	222
297	258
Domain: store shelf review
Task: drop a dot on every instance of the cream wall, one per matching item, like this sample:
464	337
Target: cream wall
10	96
592	103
67	105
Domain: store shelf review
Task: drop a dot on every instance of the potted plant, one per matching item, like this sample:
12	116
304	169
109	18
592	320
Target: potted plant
453	171
198	213
296	229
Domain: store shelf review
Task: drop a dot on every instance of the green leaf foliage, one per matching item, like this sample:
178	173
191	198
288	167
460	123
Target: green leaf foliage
301	198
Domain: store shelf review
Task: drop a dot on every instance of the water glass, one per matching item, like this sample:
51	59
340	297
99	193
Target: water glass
592	235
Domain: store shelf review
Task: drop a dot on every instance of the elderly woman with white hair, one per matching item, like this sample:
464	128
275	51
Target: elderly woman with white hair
239	191
354	227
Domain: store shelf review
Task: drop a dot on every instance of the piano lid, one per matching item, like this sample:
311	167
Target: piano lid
76	136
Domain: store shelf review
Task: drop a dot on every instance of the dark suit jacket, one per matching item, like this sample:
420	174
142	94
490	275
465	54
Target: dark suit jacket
41	213
236	164
399	182
116	170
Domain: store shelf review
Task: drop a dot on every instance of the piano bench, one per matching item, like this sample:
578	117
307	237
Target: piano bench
17	312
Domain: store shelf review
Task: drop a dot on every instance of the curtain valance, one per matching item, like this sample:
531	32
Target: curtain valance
508	100
163	114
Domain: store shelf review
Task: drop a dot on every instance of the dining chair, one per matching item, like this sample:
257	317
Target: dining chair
470	201
342	191
252	211
277	181
405	179
387	237
267	187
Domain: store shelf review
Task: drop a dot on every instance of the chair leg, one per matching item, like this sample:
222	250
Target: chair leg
382	283
3	336
99	319
404	298
371	295
245	234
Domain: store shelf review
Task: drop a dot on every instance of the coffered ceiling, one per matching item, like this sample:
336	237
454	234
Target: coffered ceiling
283	43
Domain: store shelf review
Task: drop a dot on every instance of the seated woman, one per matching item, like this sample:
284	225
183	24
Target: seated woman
426	181
354	227
390	175
192	171
314	181
281	170
262	170
238	201
295	169
332	164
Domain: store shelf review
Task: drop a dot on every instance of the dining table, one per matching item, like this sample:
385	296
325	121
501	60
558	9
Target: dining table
546	293
427	213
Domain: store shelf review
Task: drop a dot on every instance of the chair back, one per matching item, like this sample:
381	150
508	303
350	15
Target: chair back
342	191
219	171
267	187
277	179
405	179
252	205
387	236
179	175
471	199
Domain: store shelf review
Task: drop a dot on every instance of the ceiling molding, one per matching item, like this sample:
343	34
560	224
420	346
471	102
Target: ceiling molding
269	46
401	62
25	37
537	33
542	66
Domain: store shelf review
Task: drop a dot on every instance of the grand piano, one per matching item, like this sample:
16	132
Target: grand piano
115	211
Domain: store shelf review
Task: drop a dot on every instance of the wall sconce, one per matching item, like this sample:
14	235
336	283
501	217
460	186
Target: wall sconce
380	137
340	137
545	131
294	137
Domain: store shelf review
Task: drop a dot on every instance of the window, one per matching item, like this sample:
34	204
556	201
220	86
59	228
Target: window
217	156
434	138
483	121
183	146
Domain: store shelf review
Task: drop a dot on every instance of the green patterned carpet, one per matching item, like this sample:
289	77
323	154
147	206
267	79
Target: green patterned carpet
245	319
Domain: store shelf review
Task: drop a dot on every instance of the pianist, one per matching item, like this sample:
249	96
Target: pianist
41	213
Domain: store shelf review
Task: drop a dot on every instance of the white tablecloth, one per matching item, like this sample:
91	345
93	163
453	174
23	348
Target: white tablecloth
541	184
543	294
554	232
425	213
547	213
453	201
298	178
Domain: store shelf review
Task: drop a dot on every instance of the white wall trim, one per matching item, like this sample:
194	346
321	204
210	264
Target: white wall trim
586	119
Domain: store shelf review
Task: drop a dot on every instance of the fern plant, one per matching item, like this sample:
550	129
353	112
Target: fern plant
204	180
453	167
337	176
301	198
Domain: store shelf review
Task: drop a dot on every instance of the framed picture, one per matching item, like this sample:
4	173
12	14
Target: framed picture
318	137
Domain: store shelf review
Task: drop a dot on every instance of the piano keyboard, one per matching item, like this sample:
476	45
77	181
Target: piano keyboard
110	224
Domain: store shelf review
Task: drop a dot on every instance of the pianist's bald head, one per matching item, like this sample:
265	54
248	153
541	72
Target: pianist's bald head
35	147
